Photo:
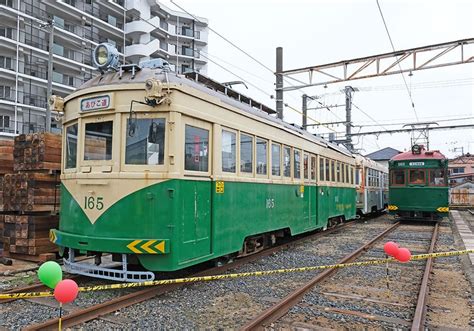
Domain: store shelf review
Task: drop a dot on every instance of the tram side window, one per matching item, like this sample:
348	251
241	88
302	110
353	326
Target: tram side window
338	172
228	151
262	156
246	153
398	177
297	164
305	166
71	146
333	171
352	175
343	173
437	177
287	161
98	141
321	169
327	170
416	176
276	156
347	174
313	167
146	143
196	149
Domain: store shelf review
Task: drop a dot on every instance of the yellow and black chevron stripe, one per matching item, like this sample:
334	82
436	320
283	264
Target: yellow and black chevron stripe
141	246
392	207
443	209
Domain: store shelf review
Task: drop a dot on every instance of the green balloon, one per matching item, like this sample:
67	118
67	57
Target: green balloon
50	274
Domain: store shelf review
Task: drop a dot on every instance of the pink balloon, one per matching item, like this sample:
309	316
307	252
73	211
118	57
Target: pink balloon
403	255
391	248
66	291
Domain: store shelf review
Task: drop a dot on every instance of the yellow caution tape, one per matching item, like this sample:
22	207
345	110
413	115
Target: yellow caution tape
230	276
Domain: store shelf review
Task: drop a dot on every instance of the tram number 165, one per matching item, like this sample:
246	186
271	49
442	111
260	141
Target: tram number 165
93	203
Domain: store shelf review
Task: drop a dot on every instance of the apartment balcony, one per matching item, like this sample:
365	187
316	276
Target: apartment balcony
142	49
141	26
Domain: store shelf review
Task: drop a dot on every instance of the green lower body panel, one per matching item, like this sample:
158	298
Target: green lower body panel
179	223
419	200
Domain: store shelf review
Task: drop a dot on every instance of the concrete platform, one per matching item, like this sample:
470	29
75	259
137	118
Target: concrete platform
462	221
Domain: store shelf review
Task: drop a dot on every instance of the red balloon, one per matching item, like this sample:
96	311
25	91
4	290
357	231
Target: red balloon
403	255
66	291
391	248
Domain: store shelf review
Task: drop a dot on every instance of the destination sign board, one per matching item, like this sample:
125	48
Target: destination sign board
96	103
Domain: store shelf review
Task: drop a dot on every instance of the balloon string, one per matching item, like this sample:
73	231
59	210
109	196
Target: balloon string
60	315
388	279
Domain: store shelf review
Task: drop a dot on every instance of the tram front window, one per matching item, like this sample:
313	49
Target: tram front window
437	177
145	144
71	146
98	141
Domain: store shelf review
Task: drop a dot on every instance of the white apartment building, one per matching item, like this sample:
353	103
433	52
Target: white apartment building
139	29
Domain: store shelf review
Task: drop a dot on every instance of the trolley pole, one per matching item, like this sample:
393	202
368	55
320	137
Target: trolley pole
50	75
349	90
305	111
279	82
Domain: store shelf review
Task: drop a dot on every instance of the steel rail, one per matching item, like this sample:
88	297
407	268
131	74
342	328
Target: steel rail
273	313
418	323
93	312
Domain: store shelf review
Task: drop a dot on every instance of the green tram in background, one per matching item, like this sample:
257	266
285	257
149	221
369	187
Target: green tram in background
167	171
418	185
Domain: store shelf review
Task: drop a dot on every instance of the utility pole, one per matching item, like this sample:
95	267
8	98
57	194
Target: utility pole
348	91
279	82
305	111
50	75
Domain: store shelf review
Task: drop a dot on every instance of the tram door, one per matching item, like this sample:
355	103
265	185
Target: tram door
195	192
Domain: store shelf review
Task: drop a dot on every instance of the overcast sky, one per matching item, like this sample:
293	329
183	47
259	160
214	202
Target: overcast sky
319	32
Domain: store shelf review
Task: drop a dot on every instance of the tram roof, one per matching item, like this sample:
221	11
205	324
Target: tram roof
213	88
424	154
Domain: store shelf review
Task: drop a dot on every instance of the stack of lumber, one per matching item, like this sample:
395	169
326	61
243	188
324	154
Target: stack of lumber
6	156
28	234
37	151
29	195
31	192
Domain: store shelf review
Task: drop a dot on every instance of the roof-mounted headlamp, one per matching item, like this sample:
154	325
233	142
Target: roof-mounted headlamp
105	57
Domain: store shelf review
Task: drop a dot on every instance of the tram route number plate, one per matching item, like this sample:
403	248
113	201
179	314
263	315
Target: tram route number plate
102	102
220	187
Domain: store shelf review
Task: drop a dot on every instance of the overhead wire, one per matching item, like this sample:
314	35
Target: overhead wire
399	66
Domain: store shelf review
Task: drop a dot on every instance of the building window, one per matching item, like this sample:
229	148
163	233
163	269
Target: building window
5	62
297	165
276	157
228	151
196	147
8	3
4	121
262	156
459	170
5	92
145	144
287	161
246	153
6	32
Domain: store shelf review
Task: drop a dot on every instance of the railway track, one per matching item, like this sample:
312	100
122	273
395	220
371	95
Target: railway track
79	316
270	318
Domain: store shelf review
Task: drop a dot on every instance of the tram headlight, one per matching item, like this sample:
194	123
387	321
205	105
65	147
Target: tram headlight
56	103
153	88
105	56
